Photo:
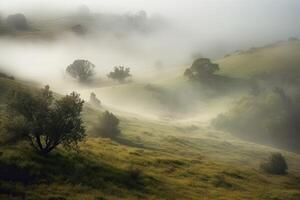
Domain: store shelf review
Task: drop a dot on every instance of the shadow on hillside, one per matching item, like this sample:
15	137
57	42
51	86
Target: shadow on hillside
223	83
81	168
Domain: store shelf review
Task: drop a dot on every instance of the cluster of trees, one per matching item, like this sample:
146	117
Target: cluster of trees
201	69
84	70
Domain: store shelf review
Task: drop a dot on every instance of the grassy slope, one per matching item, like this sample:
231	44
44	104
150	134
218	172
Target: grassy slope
278	59
177	161
277	62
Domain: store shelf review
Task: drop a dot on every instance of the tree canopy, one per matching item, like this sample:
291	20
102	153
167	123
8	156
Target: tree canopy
46	122
120	74
17	22
81	70
201	68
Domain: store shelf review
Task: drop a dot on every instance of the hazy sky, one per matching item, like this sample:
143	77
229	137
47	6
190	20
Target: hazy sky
210	27
252	19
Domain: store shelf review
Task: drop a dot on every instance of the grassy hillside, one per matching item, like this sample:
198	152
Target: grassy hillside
152	159
280	60
178	96
275	65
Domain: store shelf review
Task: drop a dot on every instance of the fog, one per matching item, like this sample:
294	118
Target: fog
171	33
210	28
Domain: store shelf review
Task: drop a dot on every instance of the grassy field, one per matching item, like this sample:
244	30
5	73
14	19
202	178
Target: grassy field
281	59
153	158
172	162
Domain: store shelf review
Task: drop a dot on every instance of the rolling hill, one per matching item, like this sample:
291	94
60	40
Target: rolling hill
280	60
152	159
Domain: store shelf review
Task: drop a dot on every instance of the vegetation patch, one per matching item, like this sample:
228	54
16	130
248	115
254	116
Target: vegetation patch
275	164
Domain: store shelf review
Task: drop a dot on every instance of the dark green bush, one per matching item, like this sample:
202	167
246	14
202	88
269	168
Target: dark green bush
108	125
201	68
275	164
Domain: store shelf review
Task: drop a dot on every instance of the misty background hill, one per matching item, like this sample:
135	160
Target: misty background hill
182	100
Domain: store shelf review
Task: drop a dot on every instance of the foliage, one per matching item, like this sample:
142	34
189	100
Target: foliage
17	22
201	68
108	125
120	74
269	117
275	164
44	123
81	70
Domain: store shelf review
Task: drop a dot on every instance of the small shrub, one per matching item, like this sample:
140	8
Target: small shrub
201	68
108	126
275	164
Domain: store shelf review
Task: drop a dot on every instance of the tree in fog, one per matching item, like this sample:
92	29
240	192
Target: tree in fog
17	22
201	68
83	10
108	125
81	70
46	122
120	74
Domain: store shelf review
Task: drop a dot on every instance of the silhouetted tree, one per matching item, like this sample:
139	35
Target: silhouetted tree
47	123
201	68
120	74
17	22
81	70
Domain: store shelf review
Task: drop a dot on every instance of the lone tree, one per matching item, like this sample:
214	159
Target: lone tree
47	123
275	164
17	22
120	74
108	125
201	68
81	70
